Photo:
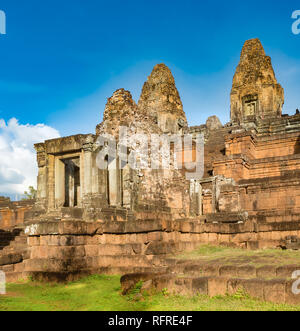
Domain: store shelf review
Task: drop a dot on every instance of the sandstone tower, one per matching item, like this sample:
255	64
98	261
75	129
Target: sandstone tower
159	109
120	110
255	91
161	101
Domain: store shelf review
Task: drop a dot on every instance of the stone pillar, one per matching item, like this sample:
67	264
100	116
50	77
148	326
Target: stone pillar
42	176
193	198
196	199
51	182
60	187
87	186
69	183
218	184
126	187
95	176
199	193
214	200
113	183
81	165
119	176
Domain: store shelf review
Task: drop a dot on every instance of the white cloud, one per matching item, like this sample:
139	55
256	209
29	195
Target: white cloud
18	167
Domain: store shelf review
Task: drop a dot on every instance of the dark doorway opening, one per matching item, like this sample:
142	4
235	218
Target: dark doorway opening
72	182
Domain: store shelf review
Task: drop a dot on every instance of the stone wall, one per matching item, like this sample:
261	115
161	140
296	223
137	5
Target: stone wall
12	214
67	250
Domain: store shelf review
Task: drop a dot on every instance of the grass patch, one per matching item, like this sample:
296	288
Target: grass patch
227	255
102	293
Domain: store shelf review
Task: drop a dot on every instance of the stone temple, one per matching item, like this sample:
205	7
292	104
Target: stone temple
117	219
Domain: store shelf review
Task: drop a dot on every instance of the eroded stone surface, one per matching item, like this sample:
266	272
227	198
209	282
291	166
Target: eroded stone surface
255	90
161	101
213	123
121	110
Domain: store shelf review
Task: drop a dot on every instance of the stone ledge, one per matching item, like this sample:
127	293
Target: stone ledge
274	290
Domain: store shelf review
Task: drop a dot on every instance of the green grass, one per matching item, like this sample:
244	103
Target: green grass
102	293
227	255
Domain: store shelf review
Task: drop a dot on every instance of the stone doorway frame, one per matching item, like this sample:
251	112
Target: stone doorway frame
60	181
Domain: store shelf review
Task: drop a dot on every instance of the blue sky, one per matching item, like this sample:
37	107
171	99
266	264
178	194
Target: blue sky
62	59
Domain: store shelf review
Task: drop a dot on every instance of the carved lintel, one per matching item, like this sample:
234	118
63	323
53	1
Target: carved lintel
41	154
88	145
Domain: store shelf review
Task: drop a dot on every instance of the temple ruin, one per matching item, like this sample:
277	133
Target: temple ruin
118	219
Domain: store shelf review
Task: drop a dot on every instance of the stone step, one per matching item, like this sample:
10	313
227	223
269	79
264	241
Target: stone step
92	263
226	218
21	240
6	240
24	253
18	244
271	290
232	271
13	277
125	270
15	247
63	276
10	259
4	243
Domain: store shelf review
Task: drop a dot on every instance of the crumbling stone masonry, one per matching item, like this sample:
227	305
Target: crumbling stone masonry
255	92
87	219
12	213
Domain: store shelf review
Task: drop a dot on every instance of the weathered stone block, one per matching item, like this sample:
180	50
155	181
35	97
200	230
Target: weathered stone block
274	291
200	286
217	286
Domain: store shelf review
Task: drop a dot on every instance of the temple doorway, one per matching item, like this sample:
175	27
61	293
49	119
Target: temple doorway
72	182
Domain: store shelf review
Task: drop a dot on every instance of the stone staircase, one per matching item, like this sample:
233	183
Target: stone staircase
13	252
272	283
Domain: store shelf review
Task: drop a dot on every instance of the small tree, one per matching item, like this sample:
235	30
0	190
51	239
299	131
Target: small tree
31	194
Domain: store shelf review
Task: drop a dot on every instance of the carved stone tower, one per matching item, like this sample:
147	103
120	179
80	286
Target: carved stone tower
255	91
161	101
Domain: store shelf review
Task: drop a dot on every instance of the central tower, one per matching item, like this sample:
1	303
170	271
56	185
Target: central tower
255	91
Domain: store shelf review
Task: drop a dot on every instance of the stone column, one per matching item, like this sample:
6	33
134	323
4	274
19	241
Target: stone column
199	193
51	182
218	185
113	183
214	196
87	186
70	182
60	183
126	187
119	176
193	198
196	199
42	176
